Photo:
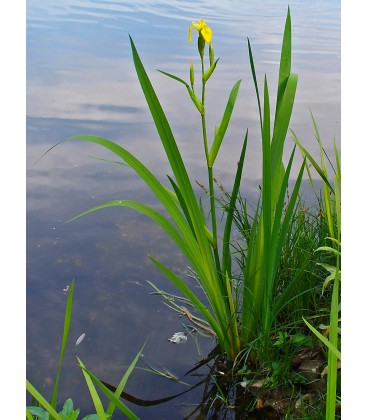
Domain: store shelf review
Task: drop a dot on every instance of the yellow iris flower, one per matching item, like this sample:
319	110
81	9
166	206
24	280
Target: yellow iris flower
202	29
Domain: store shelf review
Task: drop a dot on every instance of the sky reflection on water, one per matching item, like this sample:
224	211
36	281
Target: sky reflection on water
81	79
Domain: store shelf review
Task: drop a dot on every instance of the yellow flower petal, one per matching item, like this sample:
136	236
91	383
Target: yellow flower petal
202	29
206	32
190	33
201	24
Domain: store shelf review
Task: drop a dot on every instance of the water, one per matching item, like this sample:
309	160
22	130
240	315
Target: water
81	79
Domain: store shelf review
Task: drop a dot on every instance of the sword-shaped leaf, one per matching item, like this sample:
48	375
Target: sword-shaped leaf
221	130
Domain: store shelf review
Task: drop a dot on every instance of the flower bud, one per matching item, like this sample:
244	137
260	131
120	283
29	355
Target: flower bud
201	45
191	73
212	54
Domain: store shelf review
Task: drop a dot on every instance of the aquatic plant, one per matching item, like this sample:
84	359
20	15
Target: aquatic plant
237	311
187	224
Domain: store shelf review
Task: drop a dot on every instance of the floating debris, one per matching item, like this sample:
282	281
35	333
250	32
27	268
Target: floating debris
80	339
66	289
178	338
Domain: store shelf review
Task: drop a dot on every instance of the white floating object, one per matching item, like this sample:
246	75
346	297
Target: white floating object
178	338
80	339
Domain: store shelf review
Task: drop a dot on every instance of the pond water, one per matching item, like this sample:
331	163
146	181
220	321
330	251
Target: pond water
81	80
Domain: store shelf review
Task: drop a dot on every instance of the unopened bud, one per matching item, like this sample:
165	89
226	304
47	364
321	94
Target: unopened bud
212	54
191	73
201	45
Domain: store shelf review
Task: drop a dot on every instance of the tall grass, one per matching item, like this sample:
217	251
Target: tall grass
330	202
270	225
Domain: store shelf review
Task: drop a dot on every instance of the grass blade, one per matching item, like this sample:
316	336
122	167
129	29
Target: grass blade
324	340
124	379
254	75
282	121
67	320
122	407
285	63
312	161
221	130
226	257
287	216
333	340
93	392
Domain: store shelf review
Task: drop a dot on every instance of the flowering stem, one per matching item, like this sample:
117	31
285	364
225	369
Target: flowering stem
210	176
203	116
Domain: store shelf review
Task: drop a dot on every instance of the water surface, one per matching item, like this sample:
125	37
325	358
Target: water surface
81	79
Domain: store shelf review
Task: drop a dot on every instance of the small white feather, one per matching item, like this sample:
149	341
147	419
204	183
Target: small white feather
178	338
80	339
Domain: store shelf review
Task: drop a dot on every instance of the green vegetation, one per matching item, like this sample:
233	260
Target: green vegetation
265	289
332	213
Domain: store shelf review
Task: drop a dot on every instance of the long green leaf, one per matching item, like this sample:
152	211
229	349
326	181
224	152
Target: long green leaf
267	175
285	63
182	203
124	379
332	354
192	95
67	320
288	215
254	75
209	72
312	161
252	290
93	392
263	272
275	243
281	124
324	340
122	407
226	256
152	214
221	130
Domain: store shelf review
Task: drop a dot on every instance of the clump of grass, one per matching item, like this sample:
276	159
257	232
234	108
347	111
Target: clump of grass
330	203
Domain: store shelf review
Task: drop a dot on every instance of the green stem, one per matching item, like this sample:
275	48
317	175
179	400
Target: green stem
210	176
203	115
